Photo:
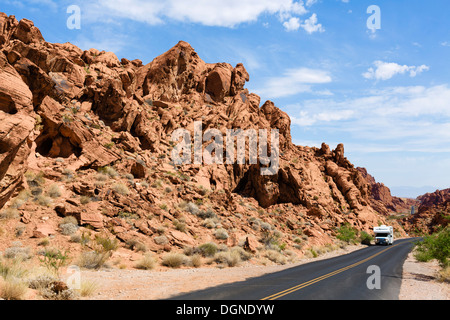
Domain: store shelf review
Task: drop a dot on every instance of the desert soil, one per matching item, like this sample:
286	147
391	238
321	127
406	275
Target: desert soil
419	282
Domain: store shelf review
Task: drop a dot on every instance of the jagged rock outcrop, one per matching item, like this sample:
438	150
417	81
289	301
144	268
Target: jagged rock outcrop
433	213
381	198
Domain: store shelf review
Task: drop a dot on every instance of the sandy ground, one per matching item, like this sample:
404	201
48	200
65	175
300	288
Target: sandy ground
419	282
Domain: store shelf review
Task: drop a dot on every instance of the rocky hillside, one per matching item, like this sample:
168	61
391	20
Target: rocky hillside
433	213
382	200
87	135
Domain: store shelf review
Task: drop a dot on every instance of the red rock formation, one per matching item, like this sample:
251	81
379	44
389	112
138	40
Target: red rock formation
382	200
433	213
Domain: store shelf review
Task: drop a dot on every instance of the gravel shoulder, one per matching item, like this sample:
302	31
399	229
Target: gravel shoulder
418	283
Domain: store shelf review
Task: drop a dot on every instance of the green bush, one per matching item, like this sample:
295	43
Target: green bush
53	259
346	233
365	238
435	246
208	249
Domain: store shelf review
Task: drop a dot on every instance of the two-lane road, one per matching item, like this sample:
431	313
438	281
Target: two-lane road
371	273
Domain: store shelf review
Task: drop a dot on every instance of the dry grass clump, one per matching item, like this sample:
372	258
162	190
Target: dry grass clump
13	289
54	191
69	226
109	171
97	258
444	274
174	260
121	189
228	258
17	252
148	262
221	234
88	288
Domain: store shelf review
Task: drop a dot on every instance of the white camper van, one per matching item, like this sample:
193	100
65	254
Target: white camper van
384	235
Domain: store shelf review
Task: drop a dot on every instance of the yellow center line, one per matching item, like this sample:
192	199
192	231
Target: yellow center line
310	282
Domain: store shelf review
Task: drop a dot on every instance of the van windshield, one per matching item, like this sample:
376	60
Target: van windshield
381	235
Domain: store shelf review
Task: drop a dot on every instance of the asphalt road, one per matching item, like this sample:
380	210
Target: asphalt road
372	273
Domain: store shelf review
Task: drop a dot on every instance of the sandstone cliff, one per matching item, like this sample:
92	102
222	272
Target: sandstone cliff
433	213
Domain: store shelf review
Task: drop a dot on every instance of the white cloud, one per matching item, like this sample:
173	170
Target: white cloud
214	13
311	25
206	12
415	119
292	24
294	81
387	70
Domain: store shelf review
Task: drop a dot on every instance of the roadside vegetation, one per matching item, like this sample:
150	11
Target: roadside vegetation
436	247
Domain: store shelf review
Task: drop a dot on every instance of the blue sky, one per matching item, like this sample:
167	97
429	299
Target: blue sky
384	93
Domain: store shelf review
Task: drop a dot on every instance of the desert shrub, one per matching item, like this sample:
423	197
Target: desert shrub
101	177
13	289
435	246
53	259
54	191
167	189
196	260
121	189
208	213
275	256
20	229
18	252
43	200
444	274
209	223
208	249
51	288
44	242
88	288
92	259
9	213
365	238
68	174
97	258
346	233
106	244
161	240
180	226
229	258
35	179
135	244
21	199
244	255
12	269
68	226
146	263
174	260
221	234
110	171
68	229
192	208
85	199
